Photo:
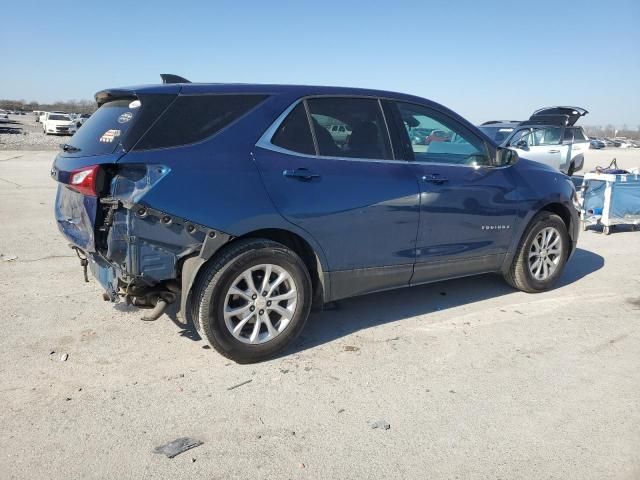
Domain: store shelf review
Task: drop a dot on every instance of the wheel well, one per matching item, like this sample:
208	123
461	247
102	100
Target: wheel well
304	251
563	213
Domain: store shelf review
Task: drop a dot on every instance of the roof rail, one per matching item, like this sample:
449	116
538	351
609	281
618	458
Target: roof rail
491	122
171	78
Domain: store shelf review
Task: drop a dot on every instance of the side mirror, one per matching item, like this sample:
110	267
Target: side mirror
521	144
506	157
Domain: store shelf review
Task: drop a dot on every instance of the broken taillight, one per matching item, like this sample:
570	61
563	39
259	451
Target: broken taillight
84	180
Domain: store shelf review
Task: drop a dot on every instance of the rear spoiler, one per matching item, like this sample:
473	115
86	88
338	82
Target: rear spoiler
105	96
134	93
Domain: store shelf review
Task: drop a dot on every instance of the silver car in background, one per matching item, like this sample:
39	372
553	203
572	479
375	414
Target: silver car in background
550	136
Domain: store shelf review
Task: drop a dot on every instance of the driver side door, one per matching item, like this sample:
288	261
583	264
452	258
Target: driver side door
468	207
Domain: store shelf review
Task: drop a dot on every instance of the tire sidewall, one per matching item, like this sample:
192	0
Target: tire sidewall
544	222
212	303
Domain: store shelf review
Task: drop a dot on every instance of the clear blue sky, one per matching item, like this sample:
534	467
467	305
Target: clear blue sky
483	59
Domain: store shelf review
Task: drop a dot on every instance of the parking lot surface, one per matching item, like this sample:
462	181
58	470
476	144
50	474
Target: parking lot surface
475	379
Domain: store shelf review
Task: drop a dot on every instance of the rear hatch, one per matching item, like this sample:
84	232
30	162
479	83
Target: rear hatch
558	115
89	160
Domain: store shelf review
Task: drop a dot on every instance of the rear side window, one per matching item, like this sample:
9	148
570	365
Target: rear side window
579	136
568	135
192	118
364	133
294	133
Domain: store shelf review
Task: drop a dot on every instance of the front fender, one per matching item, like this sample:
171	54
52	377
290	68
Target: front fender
542	188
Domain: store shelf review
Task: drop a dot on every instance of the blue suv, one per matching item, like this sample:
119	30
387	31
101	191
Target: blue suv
242	204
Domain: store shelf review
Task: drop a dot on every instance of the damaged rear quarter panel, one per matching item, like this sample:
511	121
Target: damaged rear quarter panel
213	183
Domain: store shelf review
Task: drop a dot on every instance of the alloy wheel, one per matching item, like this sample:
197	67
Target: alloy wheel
545	253
260	303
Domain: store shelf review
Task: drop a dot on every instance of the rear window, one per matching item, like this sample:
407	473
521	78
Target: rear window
106	128
59	117
192	118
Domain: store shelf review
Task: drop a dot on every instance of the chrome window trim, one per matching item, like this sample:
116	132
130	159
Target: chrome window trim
267	136
265	139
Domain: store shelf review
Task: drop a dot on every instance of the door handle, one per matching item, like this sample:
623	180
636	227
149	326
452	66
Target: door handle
301	174
434	178
554	151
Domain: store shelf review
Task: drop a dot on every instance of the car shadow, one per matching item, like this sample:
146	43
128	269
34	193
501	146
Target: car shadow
367	311
343	318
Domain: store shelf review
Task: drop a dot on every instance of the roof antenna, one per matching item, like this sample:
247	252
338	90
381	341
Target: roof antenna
170	78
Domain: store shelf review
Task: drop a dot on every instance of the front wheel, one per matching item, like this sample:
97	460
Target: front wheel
541	255
253	300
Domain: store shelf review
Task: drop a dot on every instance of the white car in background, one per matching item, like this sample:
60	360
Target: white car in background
549	136
3	114
59	124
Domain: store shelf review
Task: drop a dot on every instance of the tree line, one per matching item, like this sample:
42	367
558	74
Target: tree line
69	106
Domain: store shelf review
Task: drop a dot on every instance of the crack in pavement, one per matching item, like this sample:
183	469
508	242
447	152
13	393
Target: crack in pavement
12	183
11	158
44	258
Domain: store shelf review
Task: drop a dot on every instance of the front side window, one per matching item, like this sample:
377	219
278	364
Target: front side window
437	139
536	137
294	132
361	132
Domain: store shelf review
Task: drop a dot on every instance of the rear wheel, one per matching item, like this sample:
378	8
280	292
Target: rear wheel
542	254
253	300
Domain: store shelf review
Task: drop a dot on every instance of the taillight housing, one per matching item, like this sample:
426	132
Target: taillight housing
85	180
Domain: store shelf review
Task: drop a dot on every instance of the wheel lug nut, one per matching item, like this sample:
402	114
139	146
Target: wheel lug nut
261	312
268	303
254	296
264	294
252	308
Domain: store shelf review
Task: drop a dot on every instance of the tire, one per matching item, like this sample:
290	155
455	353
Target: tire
212	299
520	274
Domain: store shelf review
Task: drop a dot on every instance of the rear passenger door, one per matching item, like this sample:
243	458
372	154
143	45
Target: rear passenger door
577	141
349	192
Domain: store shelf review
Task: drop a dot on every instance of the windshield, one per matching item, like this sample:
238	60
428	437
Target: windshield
59	117
497	134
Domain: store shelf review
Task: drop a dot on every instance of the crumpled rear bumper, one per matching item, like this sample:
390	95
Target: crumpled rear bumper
76	215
